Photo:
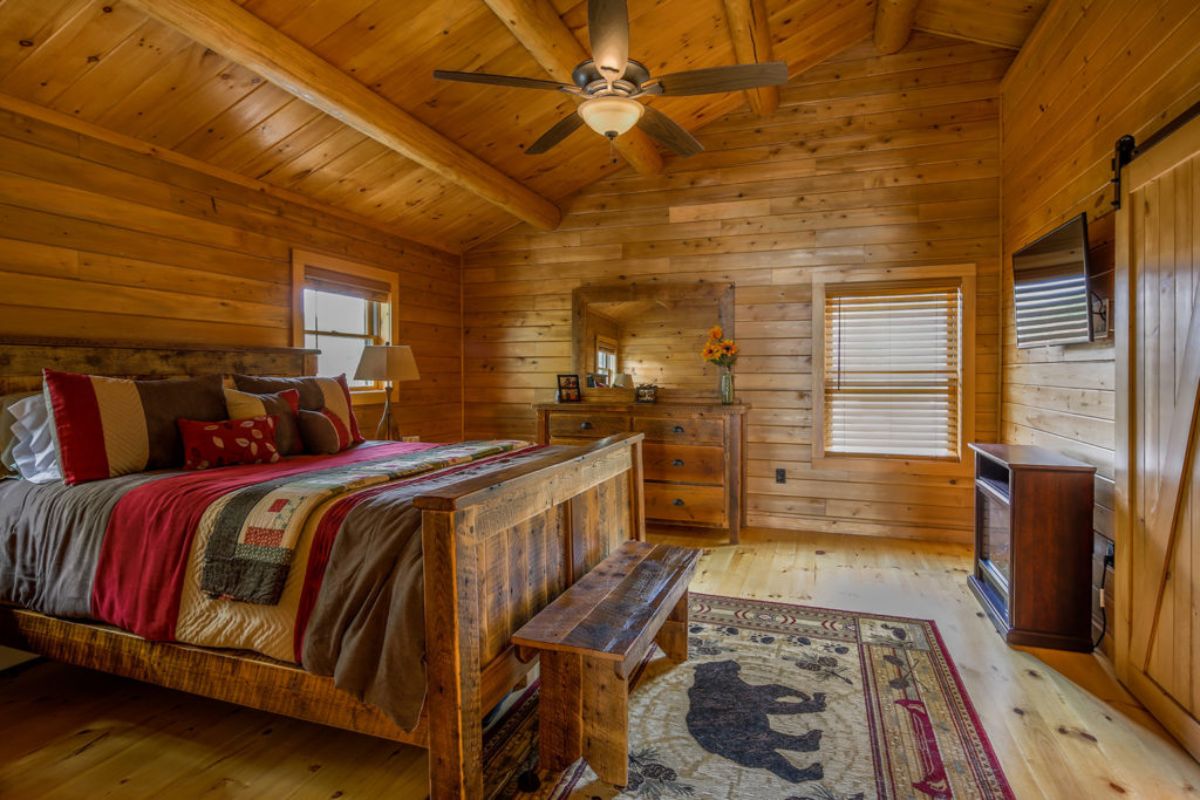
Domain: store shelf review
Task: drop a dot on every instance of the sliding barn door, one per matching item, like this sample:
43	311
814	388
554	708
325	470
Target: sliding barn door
1158	484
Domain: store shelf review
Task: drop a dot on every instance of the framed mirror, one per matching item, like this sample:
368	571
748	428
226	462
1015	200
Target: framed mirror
653	333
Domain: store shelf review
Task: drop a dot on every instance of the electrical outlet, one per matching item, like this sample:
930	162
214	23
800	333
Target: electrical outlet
781	475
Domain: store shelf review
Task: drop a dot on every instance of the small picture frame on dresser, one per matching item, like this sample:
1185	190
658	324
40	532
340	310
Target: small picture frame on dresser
647	393
568	389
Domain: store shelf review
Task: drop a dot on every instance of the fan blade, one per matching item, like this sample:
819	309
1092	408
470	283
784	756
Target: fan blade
500	80
561	130
608	31
723	79
661	127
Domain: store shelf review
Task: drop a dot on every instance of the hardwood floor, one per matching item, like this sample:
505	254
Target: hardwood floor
1061	725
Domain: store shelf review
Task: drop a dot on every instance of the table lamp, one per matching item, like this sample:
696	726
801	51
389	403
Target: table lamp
389	363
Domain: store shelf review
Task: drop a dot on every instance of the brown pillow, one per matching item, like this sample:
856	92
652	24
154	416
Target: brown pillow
316	394
312	398
281	405
323	432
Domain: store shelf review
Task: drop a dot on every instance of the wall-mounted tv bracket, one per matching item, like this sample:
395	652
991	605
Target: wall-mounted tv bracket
1099	311
1122	155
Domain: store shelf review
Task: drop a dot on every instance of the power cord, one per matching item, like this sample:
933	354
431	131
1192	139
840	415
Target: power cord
1109	561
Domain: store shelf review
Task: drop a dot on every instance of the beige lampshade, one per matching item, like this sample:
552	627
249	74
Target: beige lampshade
390	363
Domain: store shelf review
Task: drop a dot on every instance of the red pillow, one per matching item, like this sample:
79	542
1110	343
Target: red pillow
229	442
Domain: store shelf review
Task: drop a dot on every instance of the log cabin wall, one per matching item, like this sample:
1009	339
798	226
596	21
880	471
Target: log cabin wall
101	241
1088	74
869	161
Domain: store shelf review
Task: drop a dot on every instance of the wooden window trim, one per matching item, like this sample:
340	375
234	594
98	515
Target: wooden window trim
912	277
301	260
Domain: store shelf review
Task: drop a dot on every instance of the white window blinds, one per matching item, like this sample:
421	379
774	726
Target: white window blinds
892	370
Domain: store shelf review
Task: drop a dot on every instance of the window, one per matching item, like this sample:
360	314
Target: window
606	356
891	368
343	307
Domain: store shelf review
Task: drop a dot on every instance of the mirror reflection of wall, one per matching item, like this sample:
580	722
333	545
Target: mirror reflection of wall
661	343
650	334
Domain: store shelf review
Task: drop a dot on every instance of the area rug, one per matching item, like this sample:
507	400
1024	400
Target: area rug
782	702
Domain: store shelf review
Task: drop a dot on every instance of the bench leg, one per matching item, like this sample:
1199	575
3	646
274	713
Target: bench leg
606	721
560	717
673	636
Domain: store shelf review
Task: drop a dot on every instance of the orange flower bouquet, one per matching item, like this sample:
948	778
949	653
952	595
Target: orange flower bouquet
723	352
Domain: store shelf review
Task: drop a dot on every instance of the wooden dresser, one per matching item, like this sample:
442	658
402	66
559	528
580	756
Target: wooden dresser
692	459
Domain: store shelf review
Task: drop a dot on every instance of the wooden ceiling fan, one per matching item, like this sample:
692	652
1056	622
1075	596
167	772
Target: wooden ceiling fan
609	84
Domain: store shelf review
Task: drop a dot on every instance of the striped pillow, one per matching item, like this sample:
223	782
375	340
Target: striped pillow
316	394
282	405
324	432
106	427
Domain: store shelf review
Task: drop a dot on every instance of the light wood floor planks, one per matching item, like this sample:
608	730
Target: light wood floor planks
1060	724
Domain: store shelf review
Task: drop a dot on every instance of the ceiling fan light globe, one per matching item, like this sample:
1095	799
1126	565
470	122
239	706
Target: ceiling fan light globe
611	116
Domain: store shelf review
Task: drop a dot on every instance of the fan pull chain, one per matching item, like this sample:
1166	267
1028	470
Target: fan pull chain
612	150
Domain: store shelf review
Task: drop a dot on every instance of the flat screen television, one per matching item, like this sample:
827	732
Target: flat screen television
1051	291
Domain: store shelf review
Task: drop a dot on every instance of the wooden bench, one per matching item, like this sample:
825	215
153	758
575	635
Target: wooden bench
592	639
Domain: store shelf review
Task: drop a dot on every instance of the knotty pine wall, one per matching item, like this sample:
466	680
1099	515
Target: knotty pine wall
1088	74
100	241
869	161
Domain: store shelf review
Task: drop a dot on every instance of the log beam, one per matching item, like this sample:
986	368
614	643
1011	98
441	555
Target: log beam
749	28
226	28
541	31
893	24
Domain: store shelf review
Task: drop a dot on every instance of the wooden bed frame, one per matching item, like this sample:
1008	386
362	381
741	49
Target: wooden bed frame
497	549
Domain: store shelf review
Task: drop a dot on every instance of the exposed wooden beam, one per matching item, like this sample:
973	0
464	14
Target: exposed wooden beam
893	24
749	27
228	29
541	31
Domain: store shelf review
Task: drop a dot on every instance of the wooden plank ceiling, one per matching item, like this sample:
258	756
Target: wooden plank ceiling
107	63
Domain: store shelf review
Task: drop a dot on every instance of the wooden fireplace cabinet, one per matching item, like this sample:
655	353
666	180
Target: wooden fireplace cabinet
1033	545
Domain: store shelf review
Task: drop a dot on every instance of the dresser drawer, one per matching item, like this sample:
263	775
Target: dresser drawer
699	505
681	430
684	463
587	426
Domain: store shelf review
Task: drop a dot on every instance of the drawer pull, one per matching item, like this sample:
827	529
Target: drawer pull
678	501
677	462
678	429
585	426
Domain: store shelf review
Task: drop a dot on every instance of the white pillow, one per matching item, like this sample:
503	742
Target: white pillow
33	450
7	465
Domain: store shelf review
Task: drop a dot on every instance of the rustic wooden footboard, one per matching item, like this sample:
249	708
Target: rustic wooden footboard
497	550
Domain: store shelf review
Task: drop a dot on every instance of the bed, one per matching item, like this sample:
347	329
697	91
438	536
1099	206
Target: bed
498	541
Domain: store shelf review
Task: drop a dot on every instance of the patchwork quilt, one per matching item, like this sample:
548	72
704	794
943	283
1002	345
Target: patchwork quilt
314	559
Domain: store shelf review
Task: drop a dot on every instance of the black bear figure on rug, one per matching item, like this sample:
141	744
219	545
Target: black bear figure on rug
729	718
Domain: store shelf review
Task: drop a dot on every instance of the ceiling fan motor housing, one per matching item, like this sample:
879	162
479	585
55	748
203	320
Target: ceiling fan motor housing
587	77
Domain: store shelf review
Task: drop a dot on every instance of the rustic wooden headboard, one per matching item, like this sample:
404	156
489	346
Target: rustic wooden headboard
23	358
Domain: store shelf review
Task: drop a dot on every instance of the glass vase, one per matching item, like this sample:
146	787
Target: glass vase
727	386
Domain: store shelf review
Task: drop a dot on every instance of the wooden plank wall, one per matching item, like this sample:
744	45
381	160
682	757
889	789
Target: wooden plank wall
869	161
663	344
98	241
1089	73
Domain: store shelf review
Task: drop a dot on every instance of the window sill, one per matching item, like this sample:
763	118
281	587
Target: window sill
959	467
367	397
